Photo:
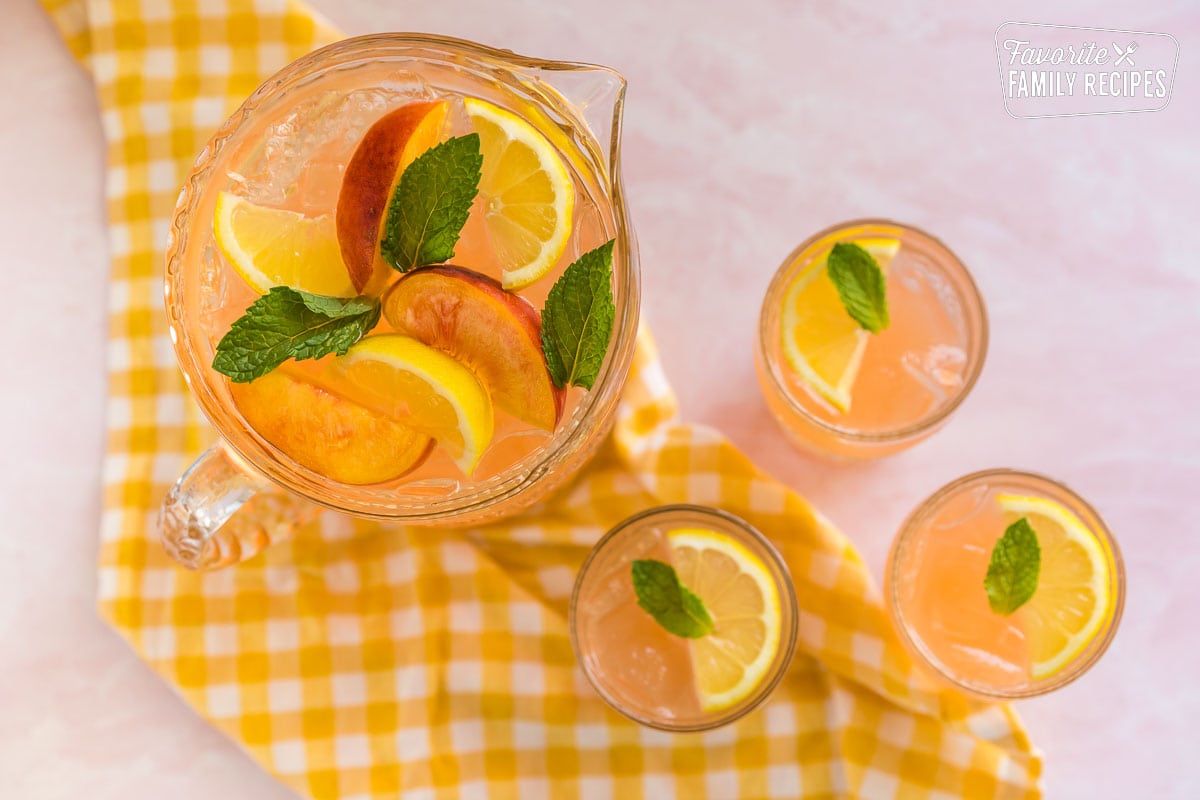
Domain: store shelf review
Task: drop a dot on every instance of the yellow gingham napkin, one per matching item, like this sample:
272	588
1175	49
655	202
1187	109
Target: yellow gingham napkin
360	660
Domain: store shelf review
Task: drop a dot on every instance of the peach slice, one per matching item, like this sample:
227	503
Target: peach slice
326	433
494	332
387	148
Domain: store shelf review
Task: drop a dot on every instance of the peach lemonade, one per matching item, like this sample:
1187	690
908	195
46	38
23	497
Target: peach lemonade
1006	584
408	288
871	334
683	618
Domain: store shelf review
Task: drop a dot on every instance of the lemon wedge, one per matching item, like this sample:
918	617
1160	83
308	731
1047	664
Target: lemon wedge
1073	599
821	342
528	194
275	247
741	597
424	389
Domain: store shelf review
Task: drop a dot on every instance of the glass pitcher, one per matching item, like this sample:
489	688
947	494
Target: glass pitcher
245	492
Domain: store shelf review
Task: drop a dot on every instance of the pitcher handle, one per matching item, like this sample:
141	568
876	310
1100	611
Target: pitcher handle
219	513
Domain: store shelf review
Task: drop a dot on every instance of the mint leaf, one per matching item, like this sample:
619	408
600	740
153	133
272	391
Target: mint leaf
336	306
431	204
1012	575
286	323
672	605
577	321
860	284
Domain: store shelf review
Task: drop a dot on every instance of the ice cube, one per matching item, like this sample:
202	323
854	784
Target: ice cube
987	658
317	136
938	368
966	506
613	585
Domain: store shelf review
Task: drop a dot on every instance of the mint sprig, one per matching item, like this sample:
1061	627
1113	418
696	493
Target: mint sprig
431	203
1012	575
577	320
860	284
287	323
672	604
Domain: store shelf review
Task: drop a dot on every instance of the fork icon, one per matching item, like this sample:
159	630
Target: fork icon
1124	55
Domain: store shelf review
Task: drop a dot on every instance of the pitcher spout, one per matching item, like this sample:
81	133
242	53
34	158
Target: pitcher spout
596	95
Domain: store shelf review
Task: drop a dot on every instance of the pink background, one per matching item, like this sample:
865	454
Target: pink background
749	125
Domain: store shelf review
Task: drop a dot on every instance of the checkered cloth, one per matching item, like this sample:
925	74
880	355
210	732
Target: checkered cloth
359	660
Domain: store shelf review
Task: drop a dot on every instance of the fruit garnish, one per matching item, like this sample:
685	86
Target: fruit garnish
285	323
577	320
822	343
1073	599
274	247
529	197
494	332
431	204
327	433
423	389
385	151
739	594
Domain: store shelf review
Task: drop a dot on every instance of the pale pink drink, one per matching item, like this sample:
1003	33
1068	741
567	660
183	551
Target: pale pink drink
364	436
843	392
936	586
664	680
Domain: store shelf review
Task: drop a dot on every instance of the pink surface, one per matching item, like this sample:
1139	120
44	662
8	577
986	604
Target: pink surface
749	125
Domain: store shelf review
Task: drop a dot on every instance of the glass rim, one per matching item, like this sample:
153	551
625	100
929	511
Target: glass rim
772	368
248	446
789	634
1073	670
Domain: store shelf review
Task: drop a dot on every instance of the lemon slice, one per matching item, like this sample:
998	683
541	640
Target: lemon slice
528	194
821	342
1073	600
274	247
424	389
741	597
